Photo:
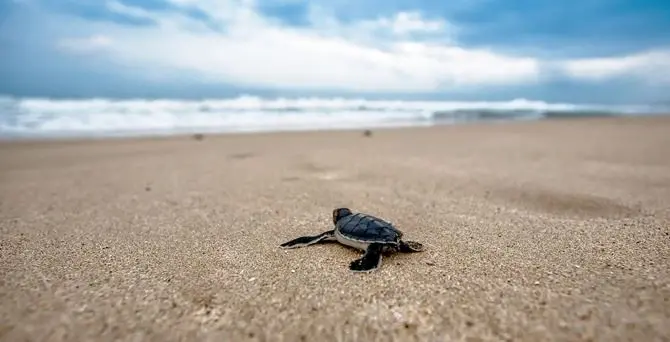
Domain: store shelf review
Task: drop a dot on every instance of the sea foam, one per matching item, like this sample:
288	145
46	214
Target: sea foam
45	117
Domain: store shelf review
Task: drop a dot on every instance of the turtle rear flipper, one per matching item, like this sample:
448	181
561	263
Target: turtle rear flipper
410	247
309	240
370	261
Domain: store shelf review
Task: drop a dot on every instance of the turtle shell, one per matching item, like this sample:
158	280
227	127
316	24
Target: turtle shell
367	228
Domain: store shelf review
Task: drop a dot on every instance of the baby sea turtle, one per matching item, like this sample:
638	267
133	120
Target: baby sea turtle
364	232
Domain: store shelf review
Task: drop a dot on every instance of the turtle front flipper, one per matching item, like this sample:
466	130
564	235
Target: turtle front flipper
308	240
371	260
410	247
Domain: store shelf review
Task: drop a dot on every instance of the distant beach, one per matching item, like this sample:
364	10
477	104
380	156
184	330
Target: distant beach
534	231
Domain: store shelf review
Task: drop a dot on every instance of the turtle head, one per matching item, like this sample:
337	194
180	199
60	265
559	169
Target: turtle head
340	213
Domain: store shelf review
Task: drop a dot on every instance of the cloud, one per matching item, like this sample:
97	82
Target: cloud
89	44
649	66
405	23
195	48
385	54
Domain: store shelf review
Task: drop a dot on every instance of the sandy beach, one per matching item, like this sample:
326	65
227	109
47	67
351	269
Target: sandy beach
554	230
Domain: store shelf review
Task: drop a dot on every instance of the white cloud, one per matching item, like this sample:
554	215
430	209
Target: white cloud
130	11
93	43
412	22
385	54
405	52
404	23
649	66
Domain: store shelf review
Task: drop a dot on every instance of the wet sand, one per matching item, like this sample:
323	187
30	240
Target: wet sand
555	230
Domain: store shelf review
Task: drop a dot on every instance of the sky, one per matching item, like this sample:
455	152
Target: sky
604	51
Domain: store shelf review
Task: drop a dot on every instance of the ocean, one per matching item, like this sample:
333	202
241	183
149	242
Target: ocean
98	117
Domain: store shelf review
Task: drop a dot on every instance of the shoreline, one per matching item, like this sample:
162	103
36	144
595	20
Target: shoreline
409	127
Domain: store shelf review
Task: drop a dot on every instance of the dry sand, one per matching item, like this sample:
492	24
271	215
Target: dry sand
555	230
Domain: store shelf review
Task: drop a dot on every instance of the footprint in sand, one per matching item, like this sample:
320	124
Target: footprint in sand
562	203
323	176
328	176
243	155
318	171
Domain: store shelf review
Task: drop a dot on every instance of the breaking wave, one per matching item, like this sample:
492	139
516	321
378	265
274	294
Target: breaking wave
44	117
